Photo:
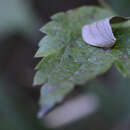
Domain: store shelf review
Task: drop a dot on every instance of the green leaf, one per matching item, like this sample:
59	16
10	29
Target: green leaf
49	45
52	94
69	60
122	50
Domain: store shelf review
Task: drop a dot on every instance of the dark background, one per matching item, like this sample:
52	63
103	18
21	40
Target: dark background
19	37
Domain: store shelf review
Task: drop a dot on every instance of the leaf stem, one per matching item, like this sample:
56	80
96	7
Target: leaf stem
105	4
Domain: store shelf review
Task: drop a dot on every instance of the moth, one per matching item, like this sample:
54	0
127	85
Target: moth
100	33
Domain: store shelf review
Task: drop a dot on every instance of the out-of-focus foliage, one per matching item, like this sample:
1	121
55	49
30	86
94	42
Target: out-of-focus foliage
16	15
114	106
121	7
114	102
68	60
13	116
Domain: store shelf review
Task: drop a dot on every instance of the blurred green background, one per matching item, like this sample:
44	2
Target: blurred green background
20	21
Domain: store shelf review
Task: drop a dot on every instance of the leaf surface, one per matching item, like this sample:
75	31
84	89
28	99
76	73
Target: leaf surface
68	60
